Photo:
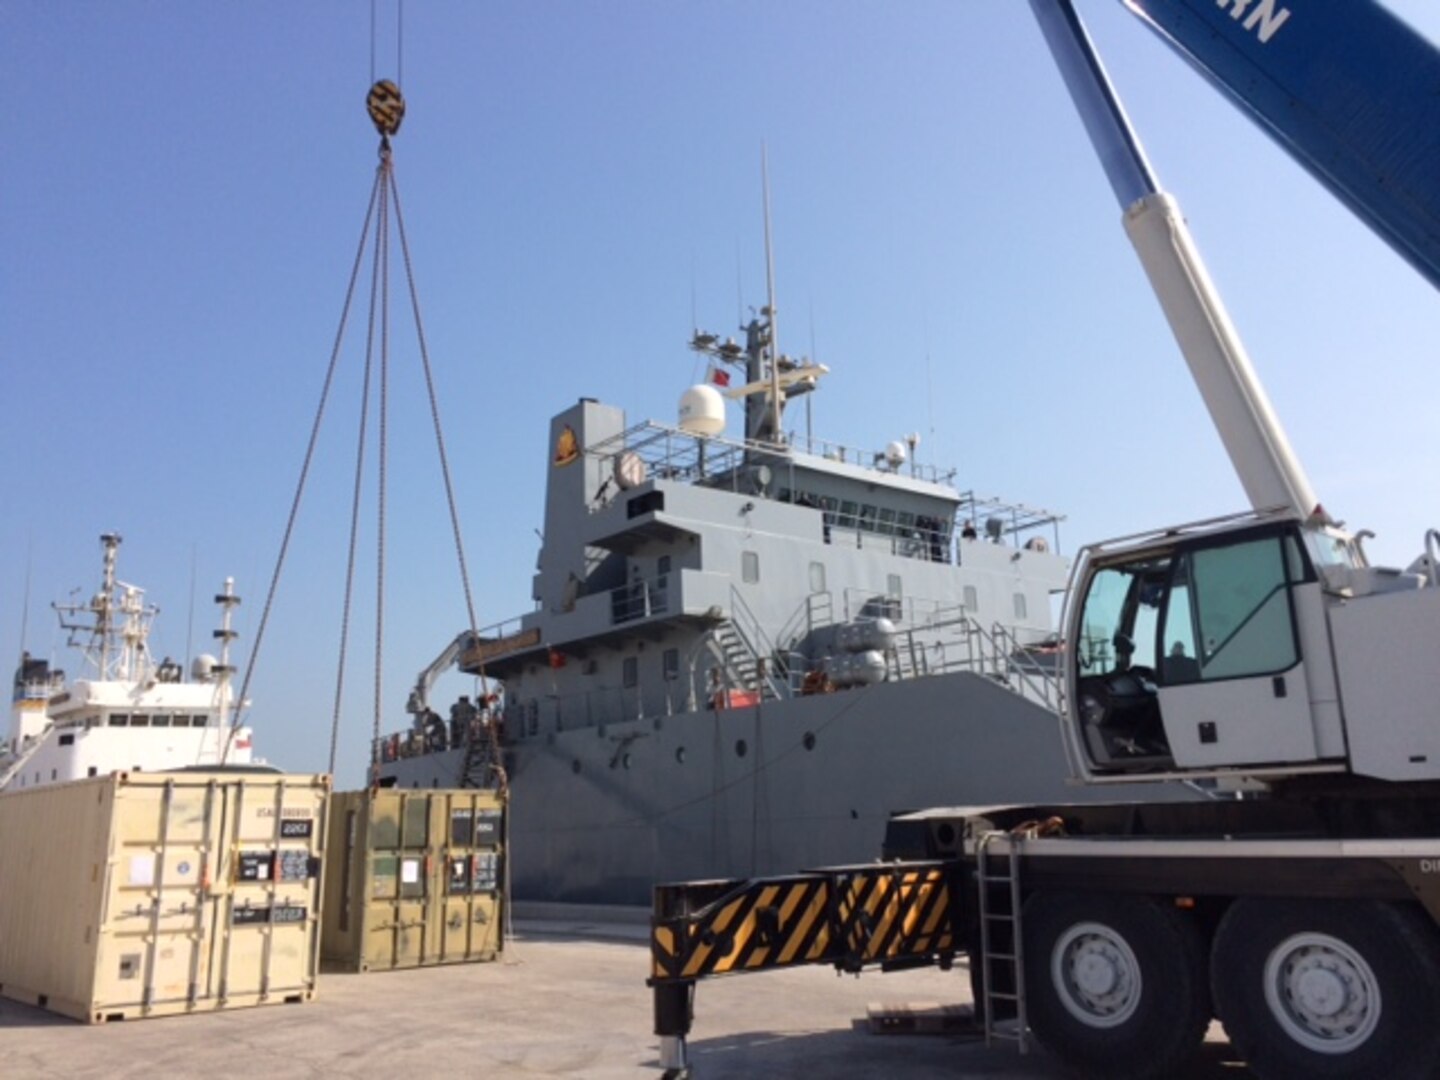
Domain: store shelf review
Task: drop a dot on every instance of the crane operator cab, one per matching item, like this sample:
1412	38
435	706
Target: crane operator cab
1191	652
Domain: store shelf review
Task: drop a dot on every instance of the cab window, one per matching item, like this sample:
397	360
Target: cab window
1242	615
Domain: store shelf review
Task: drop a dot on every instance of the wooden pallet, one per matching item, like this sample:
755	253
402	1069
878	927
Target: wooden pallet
922	1018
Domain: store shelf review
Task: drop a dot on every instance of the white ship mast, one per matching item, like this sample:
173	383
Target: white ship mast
112	630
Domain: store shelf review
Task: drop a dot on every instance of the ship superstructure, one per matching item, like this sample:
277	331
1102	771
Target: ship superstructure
126	711
735	639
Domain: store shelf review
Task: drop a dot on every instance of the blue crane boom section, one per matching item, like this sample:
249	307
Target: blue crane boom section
1344	86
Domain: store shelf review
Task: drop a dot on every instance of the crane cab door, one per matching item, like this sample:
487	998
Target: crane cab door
1189	657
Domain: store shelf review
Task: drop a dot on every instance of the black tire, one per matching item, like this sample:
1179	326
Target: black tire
1328	989
1153	1016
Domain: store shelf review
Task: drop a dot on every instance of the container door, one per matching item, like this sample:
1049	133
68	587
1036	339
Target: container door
395	930
268	923
154	955
472	912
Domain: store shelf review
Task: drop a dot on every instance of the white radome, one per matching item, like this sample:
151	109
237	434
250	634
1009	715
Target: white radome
702	411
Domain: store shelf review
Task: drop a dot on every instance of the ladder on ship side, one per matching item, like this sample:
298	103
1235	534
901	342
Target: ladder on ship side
1002	953
481	756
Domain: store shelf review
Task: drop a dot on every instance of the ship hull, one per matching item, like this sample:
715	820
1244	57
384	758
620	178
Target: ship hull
602	814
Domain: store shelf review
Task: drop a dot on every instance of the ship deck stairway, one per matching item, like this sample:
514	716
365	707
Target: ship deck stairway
744	652
9	770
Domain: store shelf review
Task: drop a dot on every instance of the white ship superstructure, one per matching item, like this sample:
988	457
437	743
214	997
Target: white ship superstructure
127	712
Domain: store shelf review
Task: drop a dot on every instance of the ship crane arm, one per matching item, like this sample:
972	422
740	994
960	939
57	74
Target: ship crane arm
419	702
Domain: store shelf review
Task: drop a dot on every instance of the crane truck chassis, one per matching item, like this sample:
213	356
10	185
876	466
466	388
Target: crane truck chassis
1114	932
1259	652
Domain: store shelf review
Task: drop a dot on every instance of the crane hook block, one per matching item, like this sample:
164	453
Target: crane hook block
386	107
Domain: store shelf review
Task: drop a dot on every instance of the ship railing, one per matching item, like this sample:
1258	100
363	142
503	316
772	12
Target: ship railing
859	604
638	599
813	613
863	526
988	519
414	742
1022	660
869	459
673	454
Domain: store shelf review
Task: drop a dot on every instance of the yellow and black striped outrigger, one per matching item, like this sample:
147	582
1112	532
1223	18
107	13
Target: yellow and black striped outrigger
889	914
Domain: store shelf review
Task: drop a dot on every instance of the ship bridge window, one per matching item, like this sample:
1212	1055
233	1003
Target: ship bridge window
867	517
140	720
160	721
849	511
120	720
197	721
885	525
750	567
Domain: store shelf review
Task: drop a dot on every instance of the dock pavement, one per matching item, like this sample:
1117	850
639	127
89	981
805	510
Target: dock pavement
567	1000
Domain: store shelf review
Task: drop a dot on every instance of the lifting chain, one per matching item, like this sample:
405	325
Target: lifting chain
386	107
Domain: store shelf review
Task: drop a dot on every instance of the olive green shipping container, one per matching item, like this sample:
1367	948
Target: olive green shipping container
415	878
152	894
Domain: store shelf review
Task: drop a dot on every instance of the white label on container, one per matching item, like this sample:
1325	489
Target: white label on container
142	869
409	871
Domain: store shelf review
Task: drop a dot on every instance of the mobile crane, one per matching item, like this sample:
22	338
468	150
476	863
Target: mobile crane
1259	650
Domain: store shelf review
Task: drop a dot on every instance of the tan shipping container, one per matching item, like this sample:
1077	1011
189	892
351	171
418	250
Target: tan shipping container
151	894
414	878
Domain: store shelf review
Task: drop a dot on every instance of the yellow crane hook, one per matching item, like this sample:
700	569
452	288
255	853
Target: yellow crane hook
386	107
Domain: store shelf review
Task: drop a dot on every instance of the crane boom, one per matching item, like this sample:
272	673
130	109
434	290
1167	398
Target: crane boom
1238	406
1349	90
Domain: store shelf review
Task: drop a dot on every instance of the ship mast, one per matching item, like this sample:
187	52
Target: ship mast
769	313
112	629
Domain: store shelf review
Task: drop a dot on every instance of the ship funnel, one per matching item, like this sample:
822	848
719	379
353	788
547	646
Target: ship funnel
702	411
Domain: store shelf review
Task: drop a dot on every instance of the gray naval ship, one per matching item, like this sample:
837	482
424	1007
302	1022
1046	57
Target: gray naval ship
746	654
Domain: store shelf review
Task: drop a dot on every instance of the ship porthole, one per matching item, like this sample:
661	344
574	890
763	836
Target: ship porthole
680	755
808	741
575	765
740	748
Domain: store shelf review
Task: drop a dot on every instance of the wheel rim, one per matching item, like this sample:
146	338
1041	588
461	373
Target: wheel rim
1322	992
1096	975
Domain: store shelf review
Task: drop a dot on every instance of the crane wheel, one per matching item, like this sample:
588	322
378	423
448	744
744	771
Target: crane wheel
1115	985
1328	988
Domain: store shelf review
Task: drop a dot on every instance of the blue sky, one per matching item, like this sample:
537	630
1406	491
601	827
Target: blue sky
184	189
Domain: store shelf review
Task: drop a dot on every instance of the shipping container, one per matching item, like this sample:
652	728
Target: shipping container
414	878
151	894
